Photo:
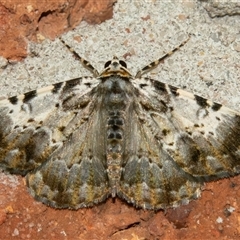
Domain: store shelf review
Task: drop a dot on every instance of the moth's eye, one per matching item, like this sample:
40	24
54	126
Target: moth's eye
107	64
123	63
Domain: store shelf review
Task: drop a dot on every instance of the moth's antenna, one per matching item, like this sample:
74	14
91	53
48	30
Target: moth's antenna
154	64
84	62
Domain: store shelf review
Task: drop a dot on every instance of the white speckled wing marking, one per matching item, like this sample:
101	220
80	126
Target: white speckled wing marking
200	135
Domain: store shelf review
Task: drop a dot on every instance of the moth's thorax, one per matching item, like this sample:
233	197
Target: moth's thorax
116	91
115	83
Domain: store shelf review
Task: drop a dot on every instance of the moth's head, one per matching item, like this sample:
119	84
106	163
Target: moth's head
115	67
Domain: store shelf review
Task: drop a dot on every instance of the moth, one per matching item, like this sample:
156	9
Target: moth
117	135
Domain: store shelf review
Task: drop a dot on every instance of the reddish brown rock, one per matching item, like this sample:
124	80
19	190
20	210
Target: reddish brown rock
179	216
3	216
22	20
159	227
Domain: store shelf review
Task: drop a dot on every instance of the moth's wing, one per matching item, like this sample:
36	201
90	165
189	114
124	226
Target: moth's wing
177	141
49	133
75	175
201	136
150	178
31	124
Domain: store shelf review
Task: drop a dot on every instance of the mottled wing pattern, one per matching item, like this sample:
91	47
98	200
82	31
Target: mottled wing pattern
48	133
179	141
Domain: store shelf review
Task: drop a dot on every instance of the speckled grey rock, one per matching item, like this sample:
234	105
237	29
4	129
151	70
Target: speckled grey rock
216	8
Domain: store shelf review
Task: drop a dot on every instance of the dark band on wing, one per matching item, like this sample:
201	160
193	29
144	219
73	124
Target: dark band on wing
13	100
160	86
57	87
216	106
202	102
72	83
174	90
29	95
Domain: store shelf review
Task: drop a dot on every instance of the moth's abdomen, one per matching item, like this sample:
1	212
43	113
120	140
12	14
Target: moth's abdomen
115	136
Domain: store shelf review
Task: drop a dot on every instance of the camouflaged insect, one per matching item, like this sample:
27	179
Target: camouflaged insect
80	141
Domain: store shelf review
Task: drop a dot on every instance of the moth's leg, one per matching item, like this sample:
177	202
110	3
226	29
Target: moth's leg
84	62
154	64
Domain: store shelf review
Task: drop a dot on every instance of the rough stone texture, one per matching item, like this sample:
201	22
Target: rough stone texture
216	8
35	20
